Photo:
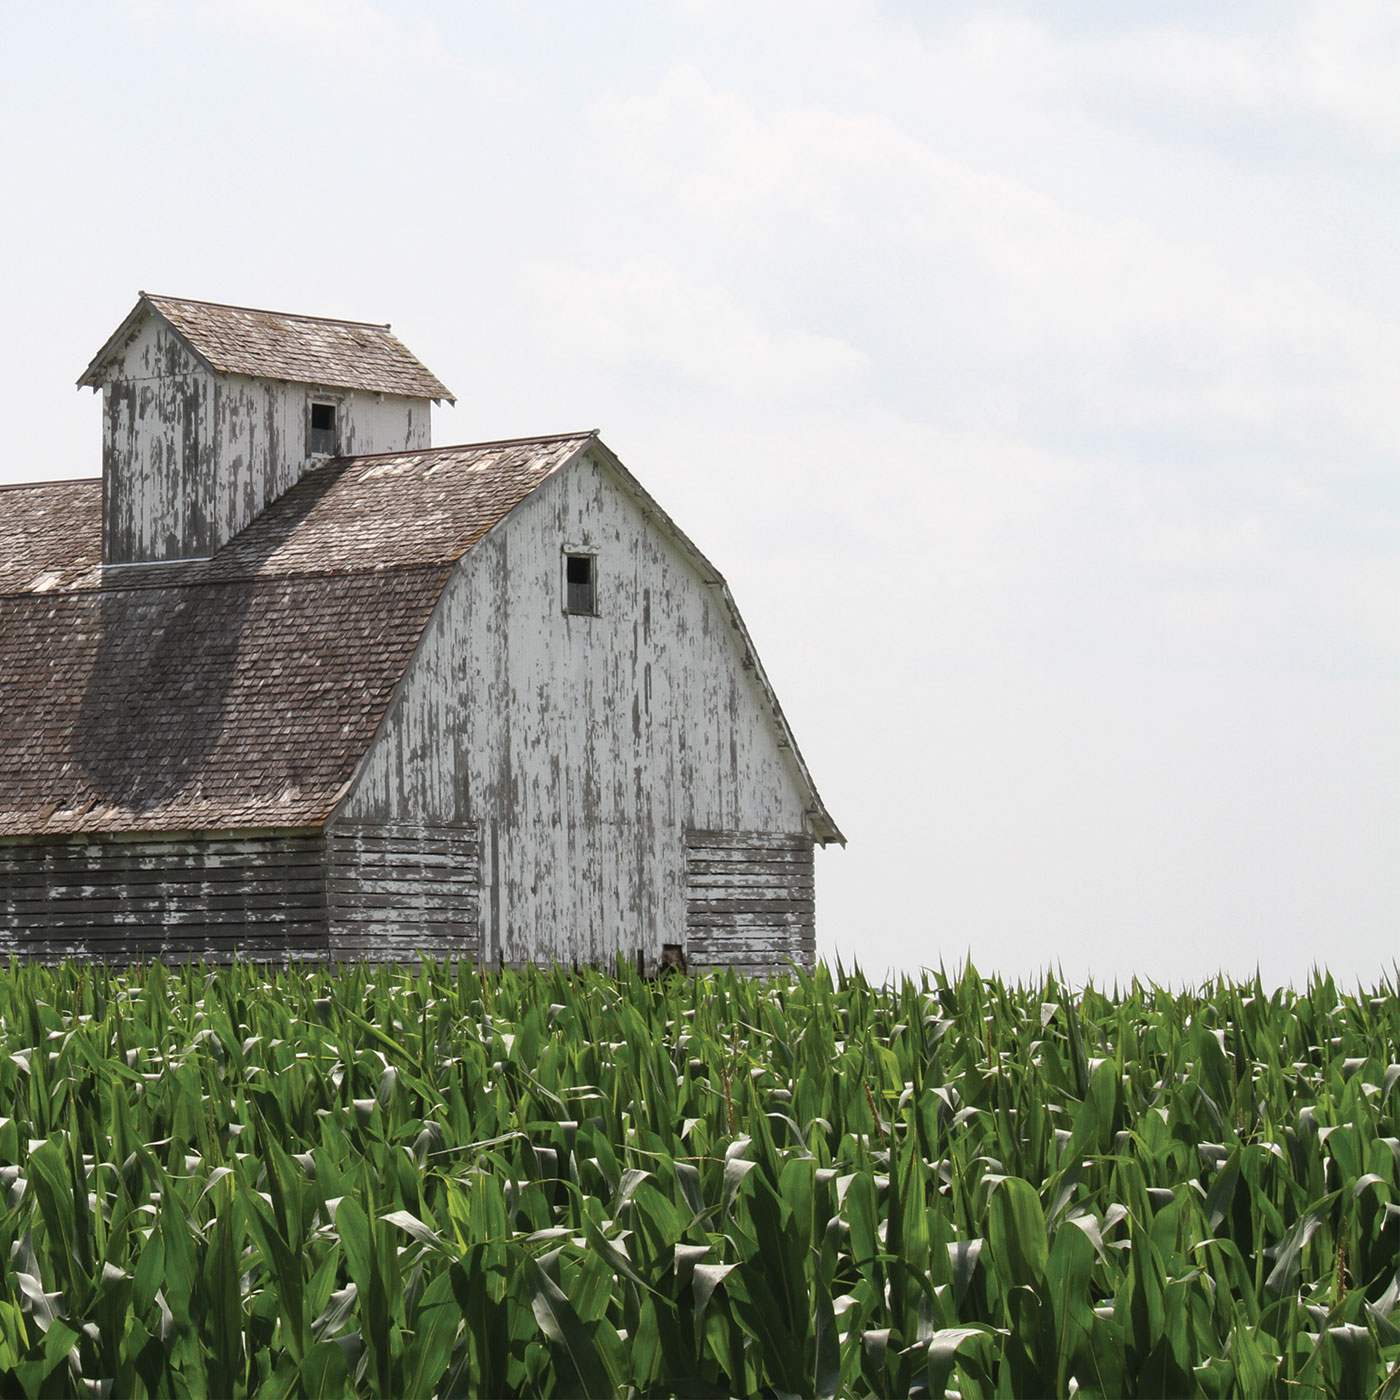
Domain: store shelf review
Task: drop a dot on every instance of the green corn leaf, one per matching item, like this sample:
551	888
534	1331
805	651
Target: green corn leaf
414	1228
340	1307
1068	1271
577	1357
324	1372
1288	1262
434	1324
1350	1360
50	1174
943	1351
705	1278
59	1342
1016	1242
964	1256
862	1215
1222	1190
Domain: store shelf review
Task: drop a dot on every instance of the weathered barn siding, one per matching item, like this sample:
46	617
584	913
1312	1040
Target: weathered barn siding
190	458
749	901
585	746
122	900
396	890
157	450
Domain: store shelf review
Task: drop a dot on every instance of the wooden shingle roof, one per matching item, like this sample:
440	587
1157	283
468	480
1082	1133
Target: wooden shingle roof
50	535
240	691
281	345
210	706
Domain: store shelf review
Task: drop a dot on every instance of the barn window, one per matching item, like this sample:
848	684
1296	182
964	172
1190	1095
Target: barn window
580	584
321	436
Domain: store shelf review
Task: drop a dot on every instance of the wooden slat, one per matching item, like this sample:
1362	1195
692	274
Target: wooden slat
131	854
426	860
748	905
780	866
148	895
32	926
150	867
451	913
407	831
401	881
304	942
748	882
747	840
393	888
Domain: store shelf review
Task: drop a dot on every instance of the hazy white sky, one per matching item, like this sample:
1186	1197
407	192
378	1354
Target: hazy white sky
1030	370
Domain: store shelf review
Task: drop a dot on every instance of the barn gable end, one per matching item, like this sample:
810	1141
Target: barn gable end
591	750
157	448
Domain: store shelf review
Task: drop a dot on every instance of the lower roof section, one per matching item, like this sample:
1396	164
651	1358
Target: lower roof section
236	704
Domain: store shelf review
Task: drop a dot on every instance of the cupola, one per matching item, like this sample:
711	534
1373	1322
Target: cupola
210	412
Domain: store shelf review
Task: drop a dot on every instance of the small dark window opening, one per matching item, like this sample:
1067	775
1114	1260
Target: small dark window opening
579	584
322	436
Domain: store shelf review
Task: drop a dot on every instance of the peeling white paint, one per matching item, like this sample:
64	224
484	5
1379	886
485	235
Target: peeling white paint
584	746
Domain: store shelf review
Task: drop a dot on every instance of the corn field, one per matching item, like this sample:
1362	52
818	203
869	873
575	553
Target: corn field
242	1182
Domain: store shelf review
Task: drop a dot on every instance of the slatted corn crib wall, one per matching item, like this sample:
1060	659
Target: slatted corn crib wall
749	901
217	899
396	890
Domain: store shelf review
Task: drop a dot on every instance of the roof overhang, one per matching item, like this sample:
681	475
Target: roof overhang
91	377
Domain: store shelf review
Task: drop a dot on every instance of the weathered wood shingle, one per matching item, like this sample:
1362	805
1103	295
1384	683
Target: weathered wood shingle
402	508
50	535
281	345
244	703
423	507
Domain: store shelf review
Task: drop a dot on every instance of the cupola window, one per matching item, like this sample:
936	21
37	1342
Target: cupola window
322	435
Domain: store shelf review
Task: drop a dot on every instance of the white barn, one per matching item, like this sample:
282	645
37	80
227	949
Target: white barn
289	682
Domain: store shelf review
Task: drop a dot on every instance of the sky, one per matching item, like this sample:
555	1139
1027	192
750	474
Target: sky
1031	371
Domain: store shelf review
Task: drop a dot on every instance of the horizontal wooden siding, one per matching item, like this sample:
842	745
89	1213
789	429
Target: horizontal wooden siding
397	890
749	901
258	897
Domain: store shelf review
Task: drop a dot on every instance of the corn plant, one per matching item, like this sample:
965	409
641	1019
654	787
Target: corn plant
443	1182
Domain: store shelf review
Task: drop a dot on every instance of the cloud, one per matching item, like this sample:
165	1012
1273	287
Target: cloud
353	29
644	317
1082	432
1349	57
1107	318
344	30
1339	59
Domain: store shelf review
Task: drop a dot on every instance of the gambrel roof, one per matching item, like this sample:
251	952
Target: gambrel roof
280	345
241	691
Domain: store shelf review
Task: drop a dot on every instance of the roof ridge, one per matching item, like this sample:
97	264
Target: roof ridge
583	434
363	456
416	566
267	311
47	481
